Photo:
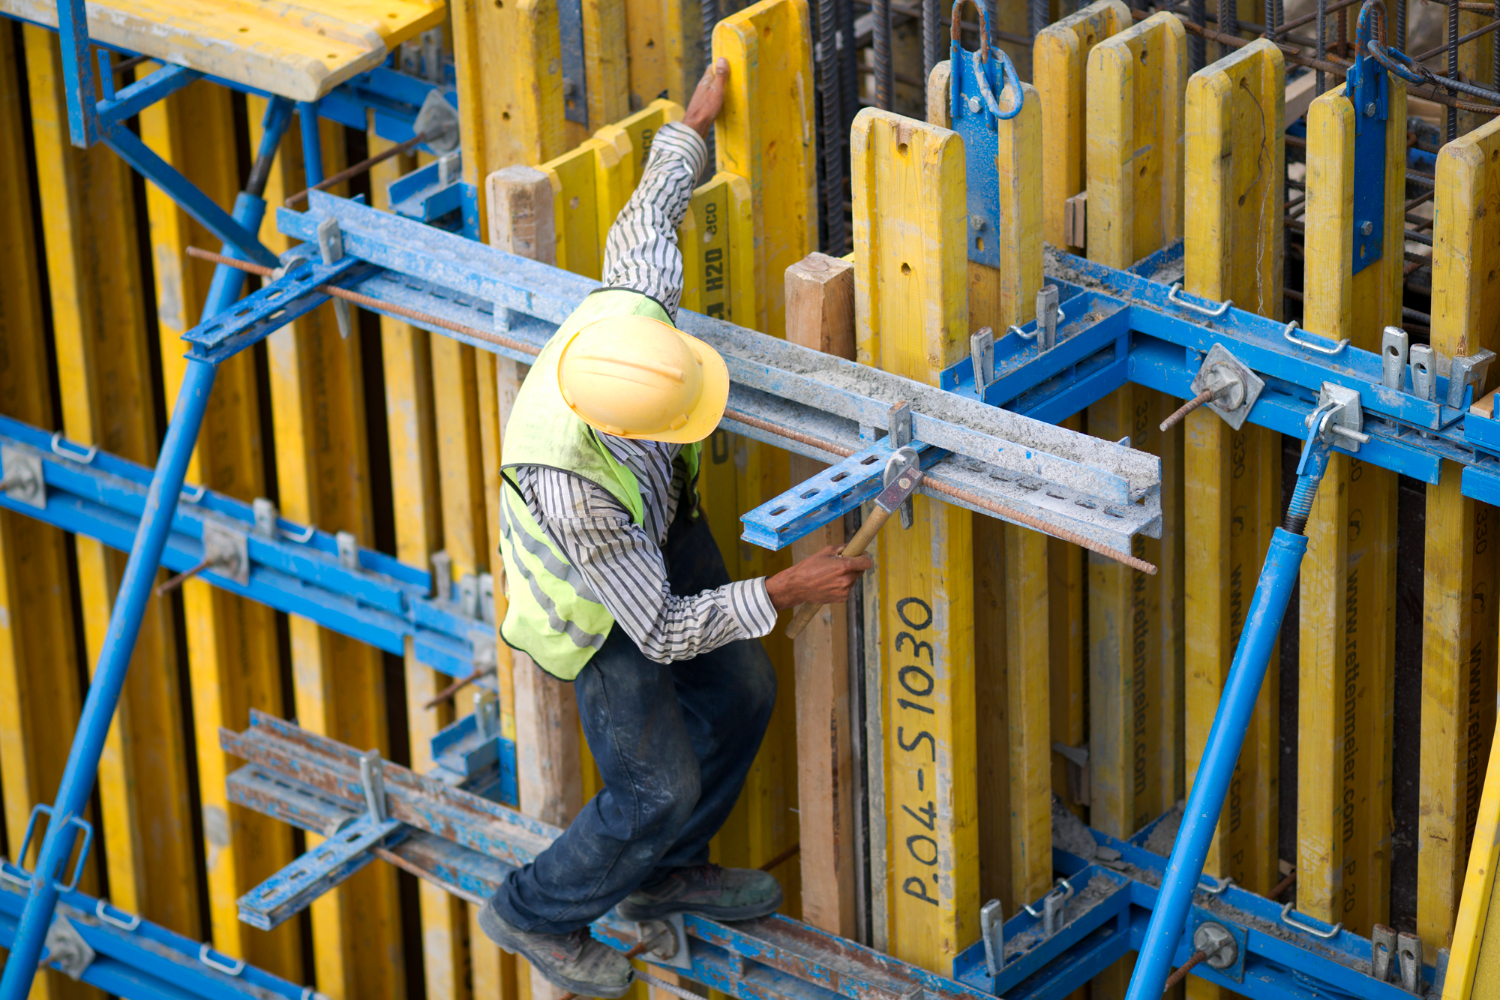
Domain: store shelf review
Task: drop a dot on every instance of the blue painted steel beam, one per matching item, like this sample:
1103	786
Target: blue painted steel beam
140	95
78	72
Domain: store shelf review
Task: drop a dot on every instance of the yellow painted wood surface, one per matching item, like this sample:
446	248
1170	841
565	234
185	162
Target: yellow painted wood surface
233	661
39	689
912	318
318	416
99	329
301	50
1474	965
605	56
1059	57
1459	617
1347	631
663	38
1233	250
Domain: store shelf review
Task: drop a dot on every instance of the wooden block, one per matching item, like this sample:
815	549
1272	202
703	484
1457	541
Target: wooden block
912	313
1060	55
522	215
1347	631
1233	499
106	383
1076	220
1459	619
820	315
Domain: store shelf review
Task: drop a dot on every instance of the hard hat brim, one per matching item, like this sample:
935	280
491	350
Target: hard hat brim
711	401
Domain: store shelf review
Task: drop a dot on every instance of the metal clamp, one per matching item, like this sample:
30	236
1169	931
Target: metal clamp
992	932
331	246
372	777
1052	907
901	459
1409	954
1312	345
1220	885
982	354
206	956
301	539
1394	345
86	458
101	910
1338	418
1423	372
192	494
66	948
1466	371
1218	943
25	480
42	809
1382	948
1174	297
1289	917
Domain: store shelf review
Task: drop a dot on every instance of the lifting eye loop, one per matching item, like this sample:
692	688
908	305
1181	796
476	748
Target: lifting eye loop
1009	79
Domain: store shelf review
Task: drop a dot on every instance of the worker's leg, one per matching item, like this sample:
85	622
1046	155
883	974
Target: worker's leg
643	747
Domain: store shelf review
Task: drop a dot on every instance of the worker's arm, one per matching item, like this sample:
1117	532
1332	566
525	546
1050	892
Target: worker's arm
628	575
641	252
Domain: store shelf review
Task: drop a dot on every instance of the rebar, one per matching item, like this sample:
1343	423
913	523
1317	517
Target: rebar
881	12
1229	17
832	128
1322	49
1186	408
1452	65
1178	975
1041	13
931	40
1197	15
363	165
709	11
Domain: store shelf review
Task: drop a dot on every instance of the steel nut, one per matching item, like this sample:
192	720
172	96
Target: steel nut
1215	941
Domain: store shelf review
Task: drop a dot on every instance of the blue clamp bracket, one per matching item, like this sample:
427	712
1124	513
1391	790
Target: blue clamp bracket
20	876
1367	87
985	91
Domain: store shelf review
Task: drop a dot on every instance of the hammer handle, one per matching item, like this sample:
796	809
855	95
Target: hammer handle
855	547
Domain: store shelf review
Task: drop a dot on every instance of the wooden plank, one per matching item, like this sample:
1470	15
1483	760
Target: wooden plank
233	661
820	315
1059	57
99	328
509	88
605	65
1233	250
39	696
1347	632
406	352
1474	966
575	177
664	45
912	314
1460	572
322	468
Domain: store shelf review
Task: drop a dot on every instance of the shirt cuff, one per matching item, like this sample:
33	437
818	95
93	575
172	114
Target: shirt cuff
678	140
750	606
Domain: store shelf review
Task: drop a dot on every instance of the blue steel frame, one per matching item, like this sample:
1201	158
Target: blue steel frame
1130	329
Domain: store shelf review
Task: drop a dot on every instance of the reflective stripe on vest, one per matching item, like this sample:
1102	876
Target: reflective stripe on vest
553	615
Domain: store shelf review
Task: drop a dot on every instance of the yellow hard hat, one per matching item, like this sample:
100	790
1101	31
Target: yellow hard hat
637	377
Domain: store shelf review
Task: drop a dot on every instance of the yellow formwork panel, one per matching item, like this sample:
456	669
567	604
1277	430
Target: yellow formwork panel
1347	628
912	318
662	38
509	88
233	661
300	50
1459	614
575	184
605	66
1474	965
99	328
318	415
1233	250
39	697
1059	56
765	134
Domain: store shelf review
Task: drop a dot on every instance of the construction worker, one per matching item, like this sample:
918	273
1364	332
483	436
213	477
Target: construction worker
616	585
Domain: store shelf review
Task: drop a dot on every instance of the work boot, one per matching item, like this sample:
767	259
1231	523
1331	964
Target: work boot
574	962
707	890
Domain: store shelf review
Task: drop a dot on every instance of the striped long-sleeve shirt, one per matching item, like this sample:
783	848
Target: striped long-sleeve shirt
620	561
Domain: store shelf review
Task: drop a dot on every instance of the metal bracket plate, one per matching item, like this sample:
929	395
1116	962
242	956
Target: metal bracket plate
976	123
23	477
575	80
228	551
1221	361
67	948
1367	88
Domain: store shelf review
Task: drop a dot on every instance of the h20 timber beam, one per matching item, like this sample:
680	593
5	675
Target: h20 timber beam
99	327
318	416
233	660
1233	250
664	46
1459	608
912	312
1059	57
820	315
1348	591
1136	80
39	696
406	351
1474	966
1013	624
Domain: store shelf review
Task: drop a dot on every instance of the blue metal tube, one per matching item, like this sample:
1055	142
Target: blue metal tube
1267	608
312	143
109	677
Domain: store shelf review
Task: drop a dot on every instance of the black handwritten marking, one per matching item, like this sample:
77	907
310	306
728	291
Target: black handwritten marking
911	704
919	672
914	886
922	838
929	811
909	747
916	647
901	613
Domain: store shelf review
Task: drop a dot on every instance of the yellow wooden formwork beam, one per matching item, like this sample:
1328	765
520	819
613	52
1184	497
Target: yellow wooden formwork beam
99	327
1348	596
39	697
664	43
1474	965
912	318
605	66
318	414
1012	636
509	87
1233	249
1059	56
1135	85
1459	613
233	660
575	185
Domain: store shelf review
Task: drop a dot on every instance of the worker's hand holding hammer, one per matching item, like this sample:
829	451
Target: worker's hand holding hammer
824	578
707	99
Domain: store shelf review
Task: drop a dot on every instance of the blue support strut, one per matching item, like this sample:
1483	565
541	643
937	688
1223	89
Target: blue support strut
77	785
1232	720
